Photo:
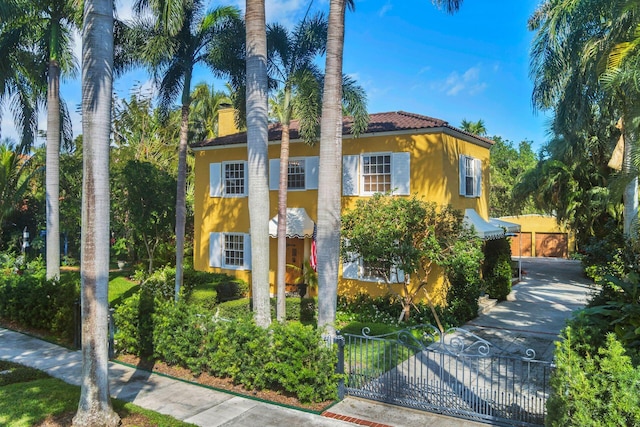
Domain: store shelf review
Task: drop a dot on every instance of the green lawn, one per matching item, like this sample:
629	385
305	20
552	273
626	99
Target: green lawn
120	287
28	396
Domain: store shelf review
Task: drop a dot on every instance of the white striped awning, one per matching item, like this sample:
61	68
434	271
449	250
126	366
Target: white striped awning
299	224
509	227
483	229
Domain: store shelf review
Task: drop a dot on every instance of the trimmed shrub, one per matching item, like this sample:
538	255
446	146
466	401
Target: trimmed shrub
134	325
497	268
463	274
230	290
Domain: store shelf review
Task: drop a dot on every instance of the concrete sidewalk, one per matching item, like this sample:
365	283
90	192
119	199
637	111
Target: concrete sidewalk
202	406
531	318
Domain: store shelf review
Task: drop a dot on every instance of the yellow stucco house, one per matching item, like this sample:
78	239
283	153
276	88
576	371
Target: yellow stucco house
404	152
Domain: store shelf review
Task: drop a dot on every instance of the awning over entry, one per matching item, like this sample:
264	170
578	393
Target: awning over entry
484	230
509	227
299	225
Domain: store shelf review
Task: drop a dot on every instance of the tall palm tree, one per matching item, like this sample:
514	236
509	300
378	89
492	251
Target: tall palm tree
571	47
331	164
172	45
291	64
94	408
257	138
45	30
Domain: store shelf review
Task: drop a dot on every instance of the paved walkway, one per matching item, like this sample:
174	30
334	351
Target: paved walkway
534	313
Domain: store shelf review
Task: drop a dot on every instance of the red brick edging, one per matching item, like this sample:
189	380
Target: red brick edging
353	420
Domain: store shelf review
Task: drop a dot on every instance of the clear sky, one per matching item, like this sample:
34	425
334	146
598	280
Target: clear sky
410	56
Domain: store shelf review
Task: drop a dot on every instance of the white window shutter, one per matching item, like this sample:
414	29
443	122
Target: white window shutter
215	249
274	174
462	166
401	174
477	179
311	172
350	175
247	251
400	276
215	180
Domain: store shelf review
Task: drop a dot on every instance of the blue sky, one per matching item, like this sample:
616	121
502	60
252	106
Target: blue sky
410	56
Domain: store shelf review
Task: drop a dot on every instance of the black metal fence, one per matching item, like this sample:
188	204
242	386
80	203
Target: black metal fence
454	373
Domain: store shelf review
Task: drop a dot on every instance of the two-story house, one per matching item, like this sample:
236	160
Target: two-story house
401	152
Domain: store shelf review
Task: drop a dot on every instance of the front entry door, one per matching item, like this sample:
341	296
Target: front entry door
295	255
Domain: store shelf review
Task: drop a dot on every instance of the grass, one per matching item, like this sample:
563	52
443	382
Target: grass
29	396
120	287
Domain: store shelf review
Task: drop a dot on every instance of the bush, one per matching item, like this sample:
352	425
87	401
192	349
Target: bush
232	290
463	274
35	302
597	389
497	268
134	325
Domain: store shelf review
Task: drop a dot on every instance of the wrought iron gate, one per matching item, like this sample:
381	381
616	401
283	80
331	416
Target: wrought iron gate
454	373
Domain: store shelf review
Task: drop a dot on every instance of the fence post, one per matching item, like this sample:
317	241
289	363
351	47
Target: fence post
77	320
112	327
340	367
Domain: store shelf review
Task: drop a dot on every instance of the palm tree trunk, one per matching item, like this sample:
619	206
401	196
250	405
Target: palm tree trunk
52	174
257	137
330	172
630	195
281	306
94	408
181	194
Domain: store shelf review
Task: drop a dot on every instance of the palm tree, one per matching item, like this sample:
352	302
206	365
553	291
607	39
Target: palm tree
15	177
94	408
331	164
206	103
567	65
257	137
291	64
21	72
171	47
45	30
476	128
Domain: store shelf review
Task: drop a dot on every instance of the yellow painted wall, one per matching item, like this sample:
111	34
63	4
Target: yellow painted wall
434	176
535	223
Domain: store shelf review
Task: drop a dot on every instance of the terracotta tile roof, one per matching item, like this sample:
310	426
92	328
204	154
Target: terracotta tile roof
378	122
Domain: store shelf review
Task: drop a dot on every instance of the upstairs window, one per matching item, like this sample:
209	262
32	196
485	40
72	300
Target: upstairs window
295	177
370	173
234	179
228	179
376	173
470	176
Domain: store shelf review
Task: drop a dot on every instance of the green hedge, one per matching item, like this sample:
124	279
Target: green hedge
300	309
35	302
287	357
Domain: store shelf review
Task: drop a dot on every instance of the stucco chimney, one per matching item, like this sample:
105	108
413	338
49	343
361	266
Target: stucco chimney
227	120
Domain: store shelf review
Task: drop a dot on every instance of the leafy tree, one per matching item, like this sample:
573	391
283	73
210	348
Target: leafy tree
149	206
257	138
400	240
94	408
508	165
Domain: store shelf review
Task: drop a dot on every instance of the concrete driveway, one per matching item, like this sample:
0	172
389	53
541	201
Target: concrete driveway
537	308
